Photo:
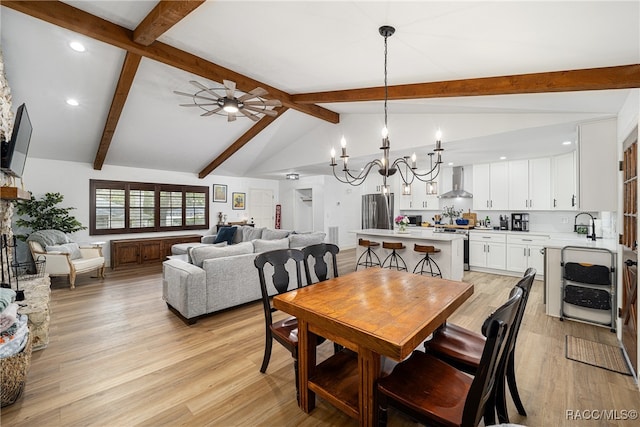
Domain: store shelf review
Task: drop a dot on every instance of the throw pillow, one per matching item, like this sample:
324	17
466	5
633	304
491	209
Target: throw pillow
251	233
68	248
303	240
225	234
271	234
261	245
202	253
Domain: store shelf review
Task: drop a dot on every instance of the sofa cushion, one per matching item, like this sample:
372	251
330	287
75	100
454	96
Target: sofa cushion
306	239
202	253
226	234
271	234
261	245
198	245
251	233
68	248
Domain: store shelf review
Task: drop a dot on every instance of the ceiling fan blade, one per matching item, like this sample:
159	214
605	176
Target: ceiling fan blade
256	92
203	87
210	113
231	117
194	96
230	87
197	105
250	115
261	110
266	103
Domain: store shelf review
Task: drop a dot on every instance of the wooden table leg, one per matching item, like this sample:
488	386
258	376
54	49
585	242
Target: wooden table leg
369	369
306	365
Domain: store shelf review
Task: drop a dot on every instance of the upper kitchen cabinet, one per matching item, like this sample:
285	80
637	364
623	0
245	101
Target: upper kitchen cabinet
530	184
597	166
563	178
418	199
491	186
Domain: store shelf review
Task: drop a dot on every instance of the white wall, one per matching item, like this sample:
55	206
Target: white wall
71	179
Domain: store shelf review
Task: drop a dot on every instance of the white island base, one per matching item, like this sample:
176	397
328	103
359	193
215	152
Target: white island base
450	259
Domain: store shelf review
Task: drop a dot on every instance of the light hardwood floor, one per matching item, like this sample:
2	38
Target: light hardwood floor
118	357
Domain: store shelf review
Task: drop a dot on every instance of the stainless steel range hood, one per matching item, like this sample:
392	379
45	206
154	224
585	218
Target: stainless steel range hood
458	185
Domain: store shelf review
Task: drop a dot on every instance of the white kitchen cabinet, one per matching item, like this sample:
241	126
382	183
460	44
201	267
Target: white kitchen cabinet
530	184
418	199
487	250
563	179
524	252
491	186
598	166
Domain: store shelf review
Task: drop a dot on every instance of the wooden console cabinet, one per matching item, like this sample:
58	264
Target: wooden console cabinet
151	250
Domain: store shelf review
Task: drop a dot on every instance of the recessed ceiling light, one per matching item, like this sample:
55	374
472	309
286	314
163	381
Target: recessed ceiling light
72	102
450	164
566	143
503	158
77	46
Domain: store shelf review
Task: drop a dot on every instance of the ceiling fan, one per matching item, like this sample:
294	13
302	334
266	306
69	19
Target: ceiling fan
224	101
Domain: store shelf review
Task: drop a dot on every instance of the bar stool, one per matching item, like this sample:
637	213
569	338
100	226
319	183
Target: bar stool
368	254
426	261
393	257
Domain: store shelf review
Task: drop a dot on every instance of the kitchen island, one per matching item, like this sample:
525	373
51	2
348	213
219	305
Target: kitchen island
450	258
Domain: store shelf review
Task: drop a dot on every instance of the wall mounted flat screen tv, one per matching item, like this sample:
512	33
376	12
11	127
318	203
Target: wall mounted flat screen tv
14	151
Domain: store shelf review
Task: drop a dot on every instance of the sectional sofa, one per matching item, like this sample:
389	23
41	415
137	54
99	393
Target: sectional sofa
217	276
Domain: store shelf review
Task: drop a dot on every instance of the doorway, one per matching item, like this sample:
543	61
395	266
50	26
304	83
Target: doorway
303	209
261	207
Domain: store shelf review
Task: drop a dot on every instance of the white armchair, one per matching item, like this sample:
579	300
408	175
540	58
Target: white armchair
64	257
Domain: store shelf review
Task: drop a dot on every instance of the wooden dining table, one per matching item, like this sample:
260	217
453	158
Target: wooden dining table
373	313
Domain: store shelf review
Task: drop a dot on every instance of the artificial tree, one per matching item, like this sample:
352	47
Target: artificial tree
44	214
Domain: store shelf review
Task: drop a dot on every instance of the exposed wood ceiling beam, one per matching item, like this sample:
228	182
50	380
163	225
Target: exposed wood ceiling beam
81	22
620	77
127	74
240	142
165	15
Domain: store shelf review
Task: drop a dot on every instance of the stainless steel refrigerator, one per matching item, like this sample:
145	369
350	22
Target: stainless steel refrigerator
377	211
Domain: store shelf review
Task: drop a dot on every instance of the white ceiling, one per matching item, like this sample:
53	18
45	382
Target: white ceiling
304	46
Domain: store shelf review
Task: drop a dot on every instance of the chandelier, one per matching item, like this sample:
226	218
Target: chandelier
405	166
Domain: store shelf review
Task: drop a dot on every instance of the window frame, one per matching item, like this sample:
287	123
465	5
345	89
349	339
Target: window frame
127	186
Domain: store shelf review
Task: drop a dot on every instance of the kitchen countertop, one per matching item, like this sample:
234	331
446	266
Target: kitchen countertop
414	233
560	239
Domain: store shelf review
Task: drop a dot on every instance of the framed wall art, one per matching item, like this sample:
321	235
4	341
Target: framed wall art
238	200
220	193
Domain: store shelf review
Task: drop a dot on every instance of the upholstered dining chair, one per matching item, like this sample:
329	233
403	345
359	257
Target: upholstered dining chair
462	348
283	331
320	268
435	393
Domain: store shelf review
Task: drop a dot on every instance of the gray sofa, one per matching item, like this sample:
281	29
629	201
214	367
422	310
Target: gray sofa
215	278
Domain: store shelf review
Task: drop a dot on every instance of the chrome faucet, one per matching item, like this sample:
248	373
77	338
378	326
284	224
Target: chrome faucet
593	224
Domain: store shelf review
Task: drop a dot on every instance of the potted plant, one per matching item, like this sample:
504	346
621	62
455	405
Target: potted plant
44	214
451	212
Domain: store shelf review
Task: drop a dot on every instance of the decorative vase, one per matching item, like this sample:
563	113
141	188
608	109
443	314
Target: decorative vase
450	220
402	227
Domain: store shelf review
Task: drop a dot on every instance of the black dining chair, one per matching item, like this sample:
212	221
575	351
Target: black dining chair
435	393
320	268
462	349
283	331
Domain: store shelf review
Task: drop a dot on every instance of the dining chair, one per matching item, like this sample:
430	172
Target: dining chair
435	393
320	267
283	331
462	349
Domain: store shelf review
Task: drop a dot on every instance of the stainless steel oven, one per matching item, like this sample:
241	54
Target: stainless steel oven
466	242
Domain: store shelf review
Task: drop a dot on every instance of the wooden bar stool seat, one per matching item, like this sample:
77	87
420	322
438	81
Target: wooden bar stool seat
393	260
427	261
368	254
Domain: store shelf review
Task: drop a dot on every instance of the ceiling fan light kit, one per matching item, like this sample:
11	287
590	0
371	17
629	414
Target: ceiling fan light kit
223	101
406	166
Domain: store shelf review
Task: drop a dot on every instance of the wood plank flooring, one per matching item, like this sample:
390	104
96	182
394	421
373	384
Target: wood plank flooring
118	357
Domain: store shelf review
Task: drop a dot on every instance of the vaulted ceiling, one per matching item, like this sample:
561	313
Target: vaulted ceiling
508	77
